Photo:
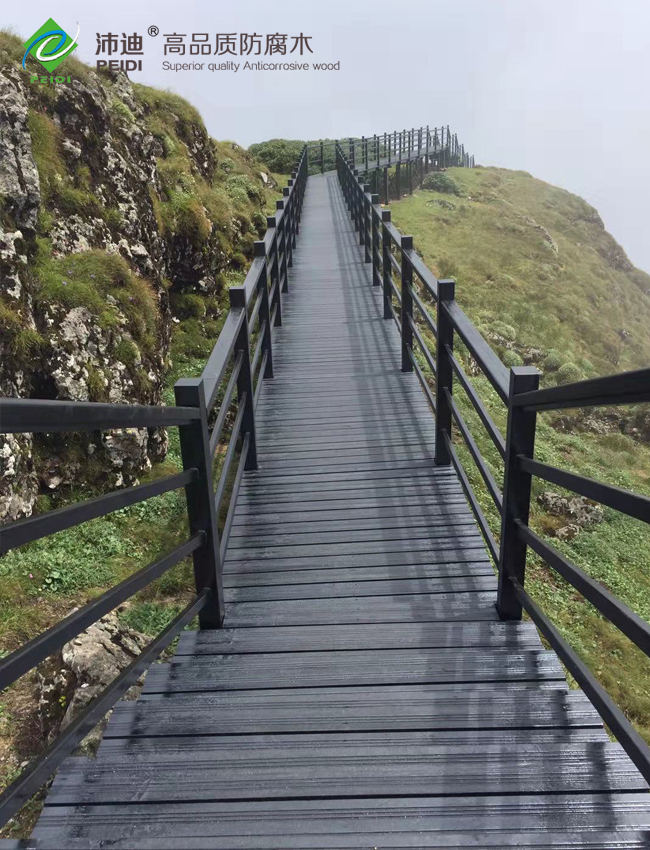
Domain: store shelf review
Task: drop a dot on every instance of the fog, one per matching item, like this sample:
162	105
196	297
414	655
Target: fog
556	88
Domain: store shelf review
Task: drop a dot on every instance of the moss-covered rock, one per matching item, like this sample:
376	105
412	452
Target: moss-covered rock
113	208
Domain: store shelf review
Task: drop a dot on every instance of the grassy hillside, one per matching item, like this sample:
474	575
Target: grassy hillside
547	285
536	258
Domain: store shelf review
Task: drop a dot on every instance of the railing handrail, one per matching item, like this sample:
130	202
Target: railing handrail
624	388
518	389
266	278
419	140
26	415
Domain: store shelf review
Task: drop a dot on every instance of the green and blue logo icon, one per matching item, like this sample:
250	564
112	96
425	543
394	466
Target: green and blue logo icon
50	45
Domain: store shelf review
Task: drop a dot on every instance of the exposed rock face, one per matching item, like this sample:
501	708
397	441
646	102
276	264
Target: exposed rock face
83	669
19	183
104	195
122	168
579	513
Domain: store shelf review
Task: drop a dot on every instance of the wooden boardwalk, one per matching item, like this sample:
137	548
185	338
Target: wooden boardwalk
363	692
407	156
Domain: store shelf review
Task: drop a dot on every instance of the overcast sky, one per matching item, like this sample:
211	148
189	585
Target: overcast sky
556	87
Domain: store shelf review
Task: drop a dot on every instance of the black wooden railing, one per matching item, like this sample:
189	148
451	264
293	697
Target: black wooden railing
436	145
393	256
255	308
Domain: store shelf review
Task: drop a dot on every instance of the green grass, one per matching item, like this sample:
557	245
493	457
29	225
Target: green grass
576	301
23	341
150	618
11	45
166	103
505	284
81	562
92	279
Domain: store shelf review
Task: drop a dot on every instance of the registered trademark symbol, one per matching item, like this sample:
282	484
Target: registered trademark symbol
153	30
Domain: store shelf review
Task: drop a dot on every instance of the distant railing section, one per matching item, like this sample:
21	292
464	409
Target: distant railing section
425	147
255	308
404	279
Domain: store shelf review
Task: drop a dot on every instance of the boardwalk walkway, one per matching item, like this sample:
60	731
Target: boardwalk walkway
363	692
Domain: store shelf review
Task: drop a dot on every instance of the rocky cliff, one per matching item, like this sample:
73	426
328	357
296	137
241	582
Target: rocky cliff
117	210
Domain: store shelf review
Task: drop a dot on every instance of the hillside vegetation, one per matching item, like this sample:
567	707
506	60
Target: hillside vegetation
538	259
280	155
129	224
547	285
122	225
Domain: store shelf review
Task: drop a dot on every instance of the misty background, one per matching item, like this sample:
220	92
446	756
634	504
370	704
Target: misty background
555	87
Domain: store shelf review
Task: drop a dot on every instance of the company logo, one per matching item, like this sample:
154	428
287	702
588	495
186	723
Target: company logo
50	45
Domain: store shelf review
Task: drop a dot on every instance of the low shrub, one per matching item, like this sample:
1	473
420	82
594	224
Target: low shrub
127	352
440	182
279	155
504	330
511	358
553	361
121	111
187	305
568	373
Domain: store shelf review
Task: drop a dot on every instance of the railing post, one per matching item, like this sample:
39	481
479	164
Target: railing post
348	187
265	311
288	217
355	202
271	221
407	304
245	390
410	165
294	211
386	270
295	177
374	224
426	160
520	440
444	371
282	245
398	180
358	189
367	209
385	185
322	158
201	510
296	201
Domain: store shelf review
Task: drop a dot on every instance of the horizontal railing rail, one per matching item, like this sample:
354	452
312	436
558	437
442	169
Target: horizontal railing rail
392	149
39	770
21	415
255	308
42	525
406	283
